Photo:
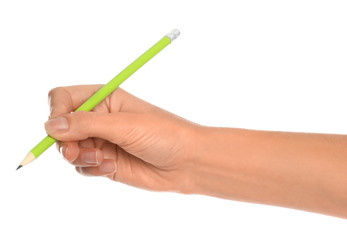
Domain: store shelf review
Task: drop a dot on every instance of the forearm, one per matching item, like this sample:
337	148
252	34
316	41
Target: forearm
296	170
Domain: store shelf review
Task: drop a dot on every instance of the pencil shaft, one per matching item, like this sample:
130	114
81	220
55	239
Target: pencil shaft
123	75
42	146
106	90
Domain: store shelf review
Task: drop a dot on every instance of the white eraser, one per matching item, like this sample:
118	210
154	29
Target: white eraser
173	34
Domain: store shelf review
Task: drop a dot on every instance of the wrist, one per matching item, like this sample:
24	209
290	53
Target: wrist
213	165
225	165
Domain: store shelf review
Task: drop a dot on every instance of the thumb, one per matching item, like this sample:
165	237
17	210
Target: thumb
82	125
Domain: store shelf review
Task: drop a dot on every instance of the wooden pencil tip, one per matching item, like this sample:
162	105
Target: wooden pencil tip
29	158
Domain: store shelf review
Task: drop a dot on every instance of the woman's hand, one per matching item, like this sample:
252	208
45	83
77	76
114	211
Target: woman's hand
124	138
134	142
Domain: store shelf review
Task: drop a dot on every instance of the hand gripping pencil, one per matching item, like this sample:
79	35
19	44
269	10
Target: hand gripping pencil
105	91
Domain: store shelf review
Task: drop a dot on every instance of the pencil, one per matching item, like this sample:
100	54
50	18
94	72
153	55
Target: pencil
106	90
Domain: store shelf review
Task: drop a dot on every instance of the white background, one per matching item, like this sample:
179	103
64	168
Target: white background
272	65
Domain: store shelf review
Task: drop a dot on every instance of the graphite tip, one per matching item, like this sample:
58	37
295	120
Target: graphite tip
19	167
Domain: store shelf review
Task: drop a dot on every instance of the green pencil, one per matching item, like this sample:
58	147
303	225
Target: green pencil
105	91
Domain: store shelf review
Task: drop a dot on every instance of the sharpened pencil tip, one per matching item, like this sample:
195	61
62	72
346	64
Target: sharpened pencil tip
19	167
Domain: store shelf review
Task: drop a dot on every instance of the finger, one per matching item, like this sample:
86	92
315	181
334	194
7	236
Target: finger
63	100
135	172
89	157
92	143
99	143
108	150
78	126
58	145
107	167
87	143
69	150
129	170
85	154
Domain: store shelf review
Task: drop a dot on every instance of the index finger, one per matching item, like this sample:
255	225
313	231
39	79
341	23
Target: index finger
63	100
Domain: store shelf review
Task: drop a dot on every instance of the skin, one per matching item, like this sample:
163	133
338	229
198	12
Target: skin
131	141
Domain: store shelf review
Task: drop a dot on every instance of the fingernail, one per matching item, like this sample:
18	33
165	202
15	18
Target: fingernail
64	150
107	167
58	147
57	124
89	157
79	169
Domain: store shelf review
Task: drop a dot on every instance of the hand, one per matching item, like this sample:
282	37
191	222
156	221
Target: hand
124	138
134	142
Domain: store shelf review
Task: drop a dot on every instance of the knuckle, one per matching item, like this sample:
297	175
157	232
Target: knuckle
51	94
53	91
